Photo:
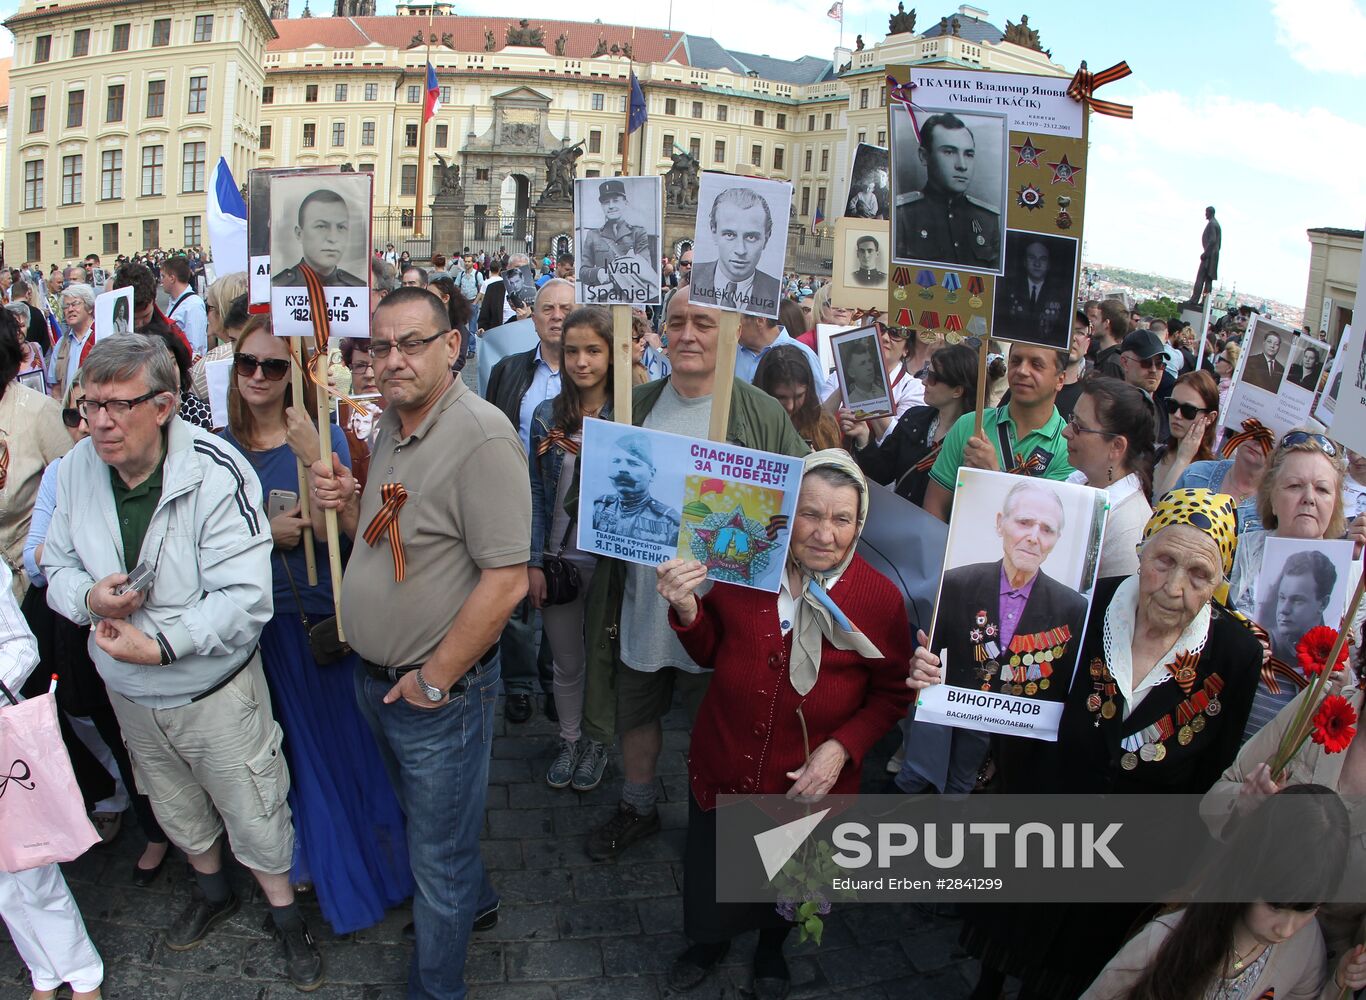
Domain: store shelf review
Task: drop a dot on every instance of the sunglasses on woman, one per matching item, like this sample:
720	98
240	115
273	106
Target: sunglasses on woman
931	377
273	369
72	417
1300	437
1188	410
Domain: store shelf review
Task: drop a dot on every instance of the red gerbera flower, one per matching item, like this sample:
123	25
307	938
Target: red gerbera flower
1334	724
1313	649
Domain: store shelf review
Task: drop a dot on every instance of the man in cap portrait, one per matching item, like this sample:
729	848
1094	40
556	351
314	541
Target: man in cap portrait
631	511
324	234
942	222
617	256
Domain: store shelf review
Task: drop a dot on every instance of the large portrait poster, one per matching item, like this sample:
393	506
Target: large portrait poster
1278	374
1327	402
741	243
1349	414
114	312
869	185
258	232
323	221
1013	601
1302	584
648	496
617	227
988	198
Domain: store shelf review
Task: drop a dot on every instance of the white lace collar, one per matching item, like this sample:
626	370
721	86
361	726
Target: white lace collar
1120	618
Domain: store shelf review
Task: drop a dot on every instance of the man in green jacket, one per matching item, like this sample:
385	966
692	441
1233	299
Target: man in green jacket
635	662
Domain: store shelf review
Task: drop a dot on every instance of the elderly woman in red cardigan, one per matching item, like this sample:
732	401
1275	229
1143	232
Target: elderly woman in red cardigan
833	644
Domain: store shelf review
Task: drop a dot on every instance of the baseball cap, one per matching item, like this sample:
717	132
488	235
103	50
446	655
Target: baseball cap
611	189
1143	343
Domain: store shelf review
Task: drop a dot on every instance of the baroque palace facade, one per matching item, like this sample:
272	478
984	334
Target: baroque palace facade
119	109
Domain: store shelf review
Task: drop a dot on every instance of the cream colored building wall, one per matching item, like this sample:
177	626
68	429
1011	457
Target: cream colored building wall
232	61
1334	267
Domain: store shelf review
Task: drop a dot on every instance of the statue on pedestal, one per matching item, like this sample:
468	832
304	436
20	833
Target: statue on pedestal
560	168
489	41
525	35
601	50
680	183
901	22
858	43
1211	240
449	184
1023	35
560	43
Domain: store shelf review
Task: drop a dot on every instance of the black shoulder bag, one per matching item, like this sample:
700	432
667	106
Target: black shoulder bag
561	575
327	645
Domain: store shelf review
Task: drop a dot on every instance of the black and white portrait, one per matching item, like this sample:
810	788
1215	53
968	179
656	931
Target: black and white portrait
1267	354
1034	299
114	312
629	509
1307	360
321	221
949	189
1302	584
617	228
741	241
865	256
861	372
870	189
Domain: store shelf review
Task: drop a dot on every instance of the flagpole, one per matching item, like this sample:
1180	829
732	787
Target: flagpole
422	131
626	129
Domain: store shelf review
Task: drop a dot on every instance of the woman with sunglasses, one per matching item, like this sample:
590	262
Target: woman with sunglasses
350	841
63	649
905	456
785	374
1300	497
1193	417
1240	476
556	434
1110	444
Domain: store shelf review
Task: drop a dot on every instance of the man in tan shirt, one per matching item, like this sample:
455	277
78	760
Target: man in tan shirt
443	536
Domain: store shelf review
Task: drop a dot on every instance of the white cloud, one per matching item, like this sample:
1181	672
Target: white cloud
1271	172
1322	35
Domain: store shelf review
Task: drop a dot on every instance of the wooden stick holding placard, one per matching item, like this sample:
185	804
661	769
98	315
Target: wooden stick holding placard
296	384
329	515
623	363
727	341
981	384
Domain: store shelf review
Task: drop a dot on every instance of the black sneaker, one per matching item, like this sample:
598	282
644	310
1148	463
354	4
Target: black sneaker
303	961
197	919
621	831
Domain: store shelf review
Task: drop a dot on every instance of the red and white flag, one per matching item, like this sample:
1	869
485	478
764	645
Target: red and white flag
836	11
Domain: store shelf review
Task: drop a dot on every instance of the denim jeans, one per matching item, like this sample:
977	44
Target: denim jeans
524	654
941	758
438	760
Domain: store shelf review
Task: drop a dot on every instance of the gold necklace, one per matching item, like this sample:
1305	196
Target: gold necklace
1241	960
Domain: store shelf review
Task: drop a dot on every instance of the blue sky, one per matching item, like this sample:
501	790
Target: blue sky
1253	106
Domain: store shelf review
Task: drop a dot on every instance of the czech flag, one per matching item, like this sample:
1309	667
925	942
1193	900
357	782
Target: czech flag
433	104
818	219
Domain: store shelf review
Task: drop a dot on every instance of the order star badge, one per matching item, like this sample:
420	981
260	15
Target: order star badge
1064	172
733	547
1030	154
1029	197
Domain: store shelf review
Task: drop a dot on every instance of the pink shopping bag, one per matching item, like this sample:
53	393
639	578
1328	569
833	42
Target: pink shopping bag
42	812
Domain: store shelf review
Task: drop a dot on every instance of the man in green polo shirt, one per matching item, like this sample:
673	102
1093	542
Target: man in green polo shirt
1024	436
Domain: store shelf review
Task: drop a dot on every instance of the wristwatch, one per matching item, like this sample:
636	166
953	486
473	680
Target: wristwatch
434	694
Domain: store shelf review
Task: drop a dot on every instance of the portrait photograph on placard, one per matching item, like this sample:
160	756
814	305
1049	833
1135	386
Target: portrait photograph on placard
649	496
1035	298
1325	406
862	259
1302	584
740	243
1307	360
258	229
322	221
1014	597
113	313
861	372
617	227
949	188
870	190
35	380
1262	385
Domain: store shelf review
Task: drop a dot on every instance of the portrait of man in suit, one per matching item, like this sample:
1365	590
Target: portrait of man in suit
1033	299
741	226
1007	625
1265	369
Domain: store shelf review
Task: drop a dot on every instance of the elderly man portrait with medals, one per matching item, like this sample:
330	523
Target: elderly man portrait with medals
1017	622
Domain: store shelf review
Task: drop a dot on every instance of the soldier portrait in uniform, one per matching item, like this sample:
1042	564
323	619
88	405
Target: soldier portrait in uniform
321	221
869	267
1034	300
869	184
948	189
1013	600
860	371
629	510
617	230
740	244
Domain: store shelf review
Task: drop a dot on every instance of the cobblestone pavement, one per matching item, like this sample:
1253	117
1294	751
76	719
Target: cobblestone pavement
570	929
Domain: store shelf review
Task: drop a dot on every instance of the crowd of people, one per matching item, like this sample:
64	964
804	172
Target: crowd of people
225	712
